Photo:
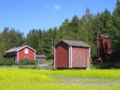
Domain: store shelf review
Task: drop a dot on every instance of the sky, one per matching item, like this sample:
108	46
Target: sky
25	15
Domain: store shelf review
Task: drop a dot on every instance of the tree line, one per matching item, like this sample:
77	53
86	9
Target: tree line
80	29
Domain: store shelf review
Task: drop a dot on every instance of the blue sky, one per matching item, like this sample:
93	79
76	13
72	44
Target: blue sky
24	15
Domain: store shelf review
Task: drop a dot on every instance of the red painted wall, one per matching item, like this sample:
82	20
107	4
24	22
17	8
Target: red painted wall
31	54
80	57
61	55
105	46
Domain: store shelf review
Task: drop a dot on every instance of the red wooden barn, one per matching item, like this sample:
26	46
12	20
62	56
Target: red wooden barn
71	54
19	53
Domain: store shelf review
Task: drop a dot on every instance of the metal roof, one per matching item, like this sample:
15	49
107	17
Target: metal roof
75	43
104	36
16	49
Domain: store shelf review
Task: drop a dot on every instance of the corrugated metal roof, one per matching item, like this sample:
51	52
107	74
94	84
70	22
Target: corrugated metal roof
19	48
75	43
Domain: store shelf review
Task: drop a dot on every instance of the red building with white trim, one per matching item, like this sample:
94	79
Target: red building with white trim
20	53
71	54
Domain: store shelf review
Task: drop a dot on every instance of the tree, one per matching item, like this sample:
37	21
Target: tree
65	30
75	25
116	31
10	38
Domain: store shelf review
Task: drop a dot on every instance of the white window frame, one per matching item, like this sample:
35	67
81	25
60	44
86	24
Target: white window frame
26	51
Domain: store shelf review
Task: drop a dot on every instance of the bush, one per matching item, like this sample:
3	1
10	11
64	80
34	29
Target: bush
28	66
4	61
105	65
28	62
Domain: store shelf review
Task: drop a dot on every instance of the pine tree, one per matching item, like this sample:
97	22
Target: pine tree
116	31
65	31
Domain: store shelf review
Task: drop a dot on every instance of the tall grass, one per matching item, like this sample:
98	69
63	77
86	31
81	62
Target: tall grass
27	79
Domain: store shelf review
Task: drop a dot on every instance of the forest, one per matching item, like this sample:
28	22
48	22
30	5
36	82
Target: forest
80	29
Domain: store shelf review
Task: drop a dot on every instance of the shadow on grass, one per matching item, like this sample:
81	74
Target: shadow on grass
106	65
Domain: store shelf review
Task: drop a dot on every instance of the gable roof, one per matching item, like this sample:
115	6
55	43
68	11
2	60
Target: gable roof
75	43
16	49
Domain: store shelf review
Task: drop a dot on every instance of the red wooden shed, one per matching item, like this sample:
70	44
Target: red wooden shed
71	54
19	53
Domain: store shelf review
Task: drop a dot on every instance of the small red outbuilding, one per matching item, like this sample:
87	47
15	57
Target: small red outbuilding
19	53
71	54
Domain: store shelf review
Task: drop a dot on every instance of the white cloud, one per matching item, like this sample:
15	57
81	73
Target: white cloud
57	7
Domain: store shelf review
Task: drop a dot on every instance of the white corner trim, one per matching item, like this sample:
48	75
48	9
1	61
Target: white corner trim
89	52
88	61
34	55
54	57
71	56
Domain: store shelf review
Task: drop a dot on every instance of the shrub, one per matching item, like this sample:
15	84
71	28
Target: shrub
27	62
4	61
28	66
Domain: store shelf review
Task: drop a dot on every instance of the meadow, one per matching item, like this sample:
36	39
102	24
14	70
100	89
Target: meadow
29	79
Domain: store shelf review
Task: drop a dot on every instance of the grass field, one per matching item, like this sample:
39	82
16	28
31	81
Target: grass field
28	79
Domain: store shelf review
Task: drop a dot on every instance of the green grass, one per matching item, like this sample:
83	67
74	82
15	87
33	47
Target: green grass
28	79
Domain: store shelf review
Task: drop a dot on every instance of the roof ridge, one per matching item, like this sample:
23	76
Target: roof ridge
76	43
15	49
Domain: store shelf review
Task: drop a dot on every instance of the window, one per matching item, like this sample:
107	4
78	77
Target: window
26	50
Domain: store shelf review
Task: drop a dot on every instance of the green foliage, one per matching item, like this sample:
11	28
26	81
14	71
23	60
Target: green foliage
116	32
10	38
28	62
4	61
27	66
